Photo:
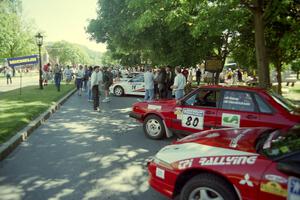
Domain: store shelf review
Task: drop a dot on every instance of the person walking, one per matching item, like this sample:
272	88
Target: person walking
149	84
179	83
8	72
79	77
57	76
161	81
95	88
107	82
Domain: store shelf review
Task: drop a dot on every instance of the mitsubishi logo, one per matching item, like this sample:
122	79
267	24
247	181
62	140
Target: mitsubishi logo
246	181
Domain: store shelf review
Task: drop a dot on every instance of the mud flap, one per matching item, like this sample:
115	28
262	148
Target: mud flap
168	132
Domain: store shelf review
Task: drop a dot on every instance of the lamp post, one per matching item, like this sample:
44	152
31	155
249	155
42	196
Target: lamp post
39	41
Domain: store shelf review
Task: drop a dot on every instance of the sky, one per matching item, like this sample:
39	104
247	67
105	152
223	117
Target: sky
63	20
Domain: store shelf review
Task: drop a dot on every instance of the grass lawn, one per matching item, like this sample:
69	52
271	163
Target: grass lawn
16	111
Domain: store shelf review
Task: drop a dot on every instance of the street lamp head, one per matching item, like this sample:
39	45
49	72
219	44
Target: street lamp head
39	39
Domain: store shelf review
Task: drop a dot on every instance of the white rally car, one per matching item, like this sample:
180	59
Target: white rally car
132	86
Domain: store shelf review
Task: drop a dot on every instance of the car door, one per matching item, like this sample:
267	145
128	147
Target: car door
197	111
136	85
237	109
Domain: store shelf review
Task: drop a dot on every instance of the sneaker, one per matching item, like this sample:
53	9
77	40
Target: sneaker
105	100
98	109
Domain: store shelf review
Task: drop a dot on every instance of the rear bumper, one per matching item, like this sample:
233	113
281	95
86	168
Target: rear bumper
135	115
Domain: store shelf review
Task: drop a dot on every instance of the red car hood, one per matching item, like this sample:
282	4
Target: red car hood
243	139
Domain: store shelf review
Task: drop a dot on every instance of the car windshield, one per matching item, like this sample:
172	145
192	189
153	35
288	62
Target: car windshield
277	143
288	105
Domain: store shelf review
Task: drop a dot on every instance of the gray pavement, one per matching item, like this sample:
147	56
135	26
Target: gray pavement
80	154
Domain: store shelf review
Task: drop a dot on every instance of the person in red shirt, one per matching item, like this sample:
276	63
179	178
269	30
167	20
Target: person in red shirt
46	73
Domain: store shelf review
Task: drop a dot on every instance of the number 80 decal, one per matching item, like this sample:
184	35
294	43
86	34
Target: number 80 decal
192	118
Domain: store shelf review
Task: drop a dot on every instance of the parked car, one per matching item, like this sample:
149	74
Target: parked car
230	164
215	107
132	86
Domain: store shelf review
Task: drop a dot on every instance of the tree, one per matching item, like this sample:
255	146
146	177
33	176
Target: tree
16	37
67	53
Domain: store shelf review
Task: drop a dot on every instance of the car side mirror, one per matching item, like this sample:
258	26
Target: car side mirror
178	103
292	168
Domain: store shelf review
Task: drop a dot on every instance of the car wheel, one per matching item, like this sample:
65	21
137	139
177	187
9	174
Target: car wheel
154	127
118	91
207	187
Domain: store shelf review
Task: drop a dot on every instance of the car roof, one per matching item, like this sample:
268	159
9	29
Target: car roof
245	88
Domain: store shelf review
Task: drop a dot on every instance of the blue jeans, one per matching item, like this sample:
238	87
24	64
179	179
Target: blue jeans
179	94
57	79
149	94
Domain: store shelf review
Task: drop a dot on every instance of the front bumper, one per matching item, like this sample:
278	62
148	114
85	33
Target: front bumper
136	115
165	185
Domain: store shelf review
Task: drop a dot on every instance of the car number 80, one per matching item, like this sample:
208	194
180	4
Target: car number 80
192	122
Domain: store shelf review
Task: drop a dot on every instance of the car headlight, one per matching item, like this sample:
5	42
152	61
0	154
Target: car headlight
163	163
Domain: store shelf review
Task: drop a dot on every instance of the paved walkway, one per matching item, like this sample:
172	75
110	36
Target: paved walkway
26	81
80	154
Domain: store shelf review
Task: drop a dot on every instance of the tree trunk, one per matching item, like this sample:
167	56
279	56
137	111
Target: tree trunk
261	54
279	78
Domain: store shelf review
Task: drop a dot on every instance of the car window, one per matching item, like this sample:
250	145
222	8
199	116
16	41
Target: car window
263	107
276	145
236	100
289	106
204	98
138	78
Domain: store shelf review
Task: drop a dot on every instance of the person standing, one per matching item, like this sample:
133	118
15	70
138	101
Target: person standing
161	81
95	88
46	73
68	74
8	72
149	84
57	76
107	82
198	76
179	83
79	77
169	82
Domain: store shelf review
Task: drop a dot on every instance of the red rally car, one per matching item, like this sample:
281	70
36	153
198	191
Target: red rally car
215	107
230	164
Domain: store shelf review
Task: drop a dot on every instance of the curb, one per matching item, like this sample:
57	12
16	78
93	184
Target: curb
7	147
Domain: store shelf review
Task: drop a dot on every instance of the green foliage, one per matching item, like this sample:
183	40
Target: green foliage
16	35
67	53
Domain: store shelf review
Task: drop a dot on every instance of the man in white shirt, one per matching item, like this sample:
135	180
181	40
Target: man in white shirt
179	83
149	84
95	88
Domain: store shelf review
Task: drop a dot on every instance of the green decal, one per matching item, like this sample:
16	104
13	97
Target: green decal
231	119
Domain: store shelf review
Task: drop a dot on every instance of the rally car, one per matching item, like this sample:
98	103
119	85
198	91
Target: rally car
230	164
216	106
132	86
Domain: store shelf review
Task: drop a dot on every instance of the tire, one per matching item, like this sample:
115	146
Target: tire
154	127
118	91
208	186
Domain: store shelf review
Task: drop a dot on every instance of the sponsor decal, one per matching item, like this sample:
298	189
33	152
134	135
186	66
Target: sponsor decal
177	152
212	135
227	160
160	173
246	181
154	107
294	188
192	118
185	164
231	120
273	188
234	141
178	113
236	101
275	178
